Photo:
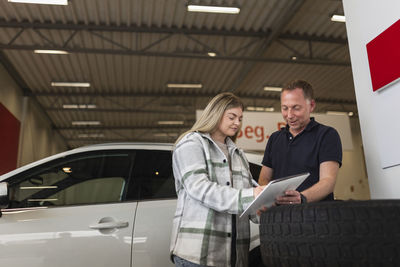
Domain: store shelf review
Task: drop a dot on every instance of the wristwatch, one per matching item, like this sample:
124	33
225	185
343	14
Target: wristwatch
303	199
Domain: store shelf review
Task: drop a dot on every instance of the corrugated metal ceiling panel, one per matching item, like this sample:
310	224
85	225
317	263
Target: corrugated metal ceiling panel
139	46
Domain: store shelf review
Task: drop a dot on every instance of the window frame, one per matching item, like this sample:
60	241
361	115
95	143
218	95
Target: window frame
48	165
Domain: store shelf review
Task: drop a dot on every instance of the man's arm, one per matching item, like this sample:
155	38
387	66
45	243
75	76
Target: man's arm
265	175
327	172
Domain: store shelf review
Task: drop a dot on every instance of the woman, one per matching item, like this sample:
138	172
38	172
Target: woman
213	183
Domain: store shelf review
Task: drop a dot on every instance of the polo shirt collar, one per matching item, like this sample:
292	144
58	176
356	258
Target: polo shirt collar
309	126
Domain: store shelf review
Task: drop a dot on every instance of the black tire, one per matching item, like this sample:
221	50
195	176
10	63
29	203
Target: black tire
337	233
255	258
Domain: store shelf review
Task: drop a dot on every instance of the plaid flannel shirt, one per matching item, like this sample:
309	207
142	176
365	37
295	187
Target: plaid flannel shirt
207	198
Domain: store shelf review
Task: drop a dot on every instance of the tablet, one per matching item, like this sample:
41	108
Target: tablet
273	189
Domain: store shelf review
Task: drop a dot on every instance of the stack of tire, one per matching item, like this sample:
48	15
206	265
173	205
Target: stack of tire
337	233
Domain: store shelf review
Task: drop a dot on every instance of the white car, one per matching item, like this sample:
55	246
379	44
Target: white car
99	205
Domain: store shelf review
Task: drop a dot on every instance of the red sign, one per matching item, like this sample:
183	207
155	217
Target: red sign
9	139
384	57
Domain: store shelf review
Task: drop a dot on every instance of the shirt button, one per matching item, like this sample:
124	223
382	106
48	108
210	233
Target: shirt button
228	183
290	138
224	160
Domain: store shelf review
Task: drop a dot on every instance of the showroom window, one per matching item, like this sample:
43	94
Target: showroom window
90	178
152	176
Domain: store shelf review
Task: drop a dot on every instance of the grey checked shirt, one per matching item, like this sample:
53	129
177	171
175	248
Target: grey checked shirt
202	224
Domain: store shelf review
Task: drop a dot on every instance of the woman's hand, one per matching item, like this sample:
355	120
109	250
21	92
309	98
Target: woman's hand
257	190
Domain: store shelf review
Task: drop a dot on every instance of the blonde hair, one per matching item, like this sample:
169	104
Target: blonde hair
211	116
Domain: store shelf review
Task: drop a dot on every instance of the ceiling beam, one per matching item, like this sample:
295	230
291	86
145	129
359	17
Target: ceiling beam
80	26
104	127
110	110
313	38
274	96
167	30
141	139
178	55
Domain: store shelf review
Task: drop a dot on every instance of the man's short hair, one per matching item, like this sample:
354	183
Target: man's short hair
303	85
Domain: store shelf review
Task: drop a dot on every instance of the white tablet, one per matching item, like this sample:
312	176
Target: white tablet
273	189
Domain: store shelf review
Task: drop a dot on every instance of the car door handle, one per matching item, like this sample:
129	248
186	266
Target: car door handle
109	225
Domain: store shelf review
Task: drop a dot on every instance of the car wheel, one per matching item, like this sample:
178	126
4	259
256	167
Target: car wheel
337	233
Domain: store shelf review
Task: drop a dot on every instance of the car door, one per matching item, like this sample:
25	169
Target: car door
70	212
153	186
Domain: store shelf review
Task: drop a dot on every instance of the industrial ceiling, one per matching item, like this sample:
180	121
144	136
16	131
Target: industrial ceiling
129	50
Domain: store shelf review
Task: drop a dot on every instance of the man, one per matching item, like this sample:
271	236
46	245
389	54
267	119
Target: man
304	145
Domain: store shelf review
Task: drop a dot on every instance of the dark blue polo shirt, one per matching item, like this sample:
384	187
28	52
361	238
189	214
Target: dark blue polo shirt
303	153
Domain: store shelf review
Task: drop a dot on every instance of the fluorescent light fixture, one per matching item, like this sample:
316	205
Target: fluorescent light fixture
41	199
38	187
272	89
85	123
212	54
100	135
170	122
165	134
70	84
79	106
341	113
268	109
43	2
184	85
57	52
213	9
338	18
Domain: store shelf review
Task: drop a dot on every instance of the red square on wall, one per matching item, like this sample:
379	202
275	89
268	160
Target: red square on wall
9	140
384	57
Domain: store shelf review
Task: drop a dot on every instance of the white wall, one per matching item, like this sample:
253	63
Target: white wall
378	112
352	181
37	138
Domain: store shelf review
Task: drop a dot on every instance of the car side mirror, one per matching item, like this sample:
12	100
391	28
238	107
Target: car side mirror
4	195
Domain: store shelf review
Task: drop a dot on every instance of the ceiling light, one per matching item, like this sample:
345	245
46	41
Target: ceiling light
184	85
170	122
337	113
70	84
272	89
85	123
99	135
44	2
78	106
38	187
165	134
213	9
42	199
212	54
251	108
338	18
58	52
